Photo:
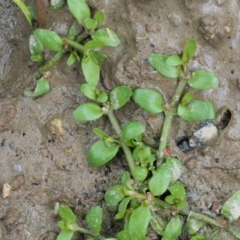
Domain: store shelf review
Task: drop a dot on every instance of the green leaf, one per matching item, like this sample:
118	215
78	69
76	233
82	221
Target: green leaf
158	61
174	60
122	207
87	112
94	219
188	97
25	10
177	190
79	10
176	167
198	237
123	235
203	80
138	222
91	70
148	99
67	214
126	180
102	97
197	110
49	39
72	58
62	224
119	96
99	18
107	37
90	24
231	208
93	45
113	196
132	130
157	223
74	29
100	57
194	225
89	91
140	173
173	229
65	235
160	181
100	153
189	50
41	88
100	133
36	48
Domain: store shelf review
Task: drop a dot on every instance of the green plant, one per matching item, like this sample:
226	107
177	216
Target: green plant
150	193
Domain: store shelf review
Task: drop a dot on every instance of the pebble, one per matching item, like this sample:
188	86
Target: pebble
17	167
11	217
17	182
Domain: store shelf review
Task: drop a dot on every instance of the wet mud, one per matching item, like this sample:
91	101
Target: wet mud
47	164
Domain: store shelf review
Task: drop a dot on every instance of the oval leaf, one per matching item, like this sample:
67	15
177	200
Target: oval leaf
101	153
197	110
173	229
189	50
177	190
176	167
188	97
231	208
94	219
107	37
99	18
41	88
138	222
132	130
122	207
160	181
119	96
89	91
174	60
199	237
123	235
67	214
148	99
157	223
203	80
65	235
35	46
113	196
194	225
79	10
87	112
158	61
91	70
49	39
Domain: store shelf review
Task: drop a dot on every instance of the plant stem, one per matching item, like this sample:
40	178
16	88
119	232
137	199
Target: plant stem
85	231
74	44
125	148
201	217
167	124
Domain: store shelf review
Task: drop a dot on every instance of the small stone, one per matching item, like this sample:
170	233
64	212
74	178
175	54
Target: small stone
227	29
17	182
6	191
17	167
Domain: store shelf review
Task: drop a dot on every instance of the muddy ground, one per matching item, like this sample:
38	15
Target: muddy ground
52	166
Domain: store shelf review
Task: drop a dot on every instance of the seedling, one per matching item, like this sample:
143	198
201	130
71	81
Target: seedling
150	193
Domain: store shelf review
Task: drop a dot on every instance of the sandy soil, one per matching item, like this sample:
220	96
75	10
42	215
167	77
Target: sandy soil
49	166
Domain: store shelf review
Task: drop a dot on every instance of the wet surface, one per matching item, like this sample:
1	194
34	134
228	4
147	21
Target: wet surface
52	161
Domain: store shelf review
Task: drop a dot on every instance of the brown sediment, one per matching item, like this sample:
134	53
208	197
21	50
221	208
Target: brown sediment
41	14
